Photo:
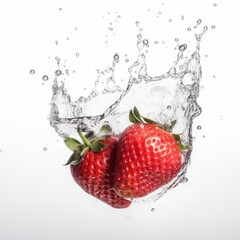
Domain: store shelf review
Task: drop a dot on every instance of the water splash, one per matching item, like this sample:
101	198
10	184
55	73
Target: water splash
165	98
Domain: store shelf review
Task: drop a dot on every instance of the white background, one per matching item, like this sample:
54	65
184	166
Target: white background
38	198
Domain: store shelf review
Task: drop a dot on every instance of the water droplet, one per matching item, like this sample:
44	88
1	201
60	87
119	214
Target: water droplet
170	20
67	71
182	47
58	60
206	55
182	17
153	210
67	38
77	54
203	136
60	9
116	57
169	107
111	29
0	150
75	28
205	29
199	127
184	180
156	42
213	26
214	76
56	42
58	72
214	4
176	39
45	78
189	29
32	71
126	60
137	23
145	42
199	21
45	149
118	16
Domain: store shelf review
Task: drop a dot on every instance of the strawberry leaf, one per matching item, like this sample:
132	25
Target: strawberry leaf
97	146
179	142
73	158
105	131
72	144
147	120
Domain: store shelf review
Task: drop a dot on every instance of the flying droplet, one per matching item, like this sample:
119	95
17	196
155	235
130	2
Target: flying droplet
214	4
45	78
169	107
156	42
137	23
116	57
32	71
145	42
182	47
67	71
58	72
45	149
111	29
199	127
189	29
153	210
126	60
213	26
199	21
77	54
184	180
182	17
176	39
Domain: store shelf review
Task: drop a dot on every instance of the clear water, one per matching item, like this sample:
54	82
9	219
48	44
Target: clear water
164	98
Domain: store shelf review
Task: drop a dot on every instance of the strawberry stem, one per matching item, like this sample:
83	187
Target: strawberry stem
85	140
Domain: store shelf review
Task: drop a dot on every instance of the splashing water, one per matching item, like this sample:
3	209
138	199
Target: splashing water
165	98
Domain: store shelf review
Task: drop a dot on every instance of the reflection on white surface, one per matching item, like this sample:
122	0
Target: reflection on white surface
38	197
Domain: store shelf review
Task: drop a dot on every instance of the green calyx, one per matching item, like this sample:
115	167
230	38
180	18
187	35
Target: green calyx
135	117
80	149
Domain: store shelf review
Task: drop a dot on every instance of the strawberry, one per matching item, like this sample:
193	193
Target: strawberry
92	166
147	157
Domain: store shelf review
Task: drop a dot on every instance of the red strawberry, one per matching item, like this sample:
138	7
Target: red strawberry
92	167
147	157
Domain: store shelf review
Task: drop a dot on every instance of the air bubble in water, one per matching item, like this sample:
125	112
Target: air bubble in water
32	71
45	78
182	47
199	127
58	72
